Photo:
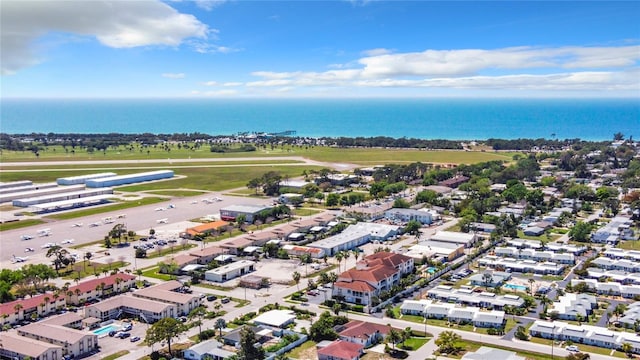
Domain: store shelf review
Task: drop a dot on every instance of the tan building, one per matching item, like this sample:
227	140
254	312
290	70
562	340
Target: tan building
72	341
20	347
148	311
167	293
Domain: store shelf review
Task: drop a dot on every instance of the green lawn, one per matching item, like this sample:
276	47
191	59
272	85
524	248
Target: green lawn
629	245
177	193
414	343
217	179
319	153
116	355
20	224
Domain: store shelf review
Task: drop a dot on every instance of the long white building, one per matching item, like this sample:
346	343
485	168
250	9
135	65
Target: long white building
354	236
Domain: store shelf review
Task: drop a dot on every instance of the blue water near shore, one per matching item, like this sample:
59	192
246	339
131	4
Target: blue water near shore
589	119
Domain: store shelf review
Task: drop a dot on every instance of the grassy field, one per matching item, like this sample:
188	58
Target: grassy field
20	224
319	153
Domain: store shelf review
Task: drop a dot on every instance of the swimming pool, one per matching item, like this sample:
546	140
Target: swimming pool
106	329
431	270
515	287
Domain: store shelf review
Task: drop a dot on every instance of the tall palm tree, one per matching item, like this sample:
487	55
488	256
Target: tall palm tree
296	278
339	256
220	324
532	282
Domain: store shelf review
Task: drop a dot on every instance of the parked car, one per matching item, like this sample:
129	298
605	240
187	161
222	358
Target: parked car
225	300
211	298
135	338
112	333
123	335
572	348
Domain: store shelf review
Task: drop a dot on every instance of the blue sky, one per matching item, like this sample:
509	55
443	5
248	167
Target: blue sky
148	48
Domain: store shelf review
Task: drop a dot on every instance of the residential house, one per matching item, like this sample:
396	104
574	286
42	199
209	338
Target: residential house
341	350
362	332
207	350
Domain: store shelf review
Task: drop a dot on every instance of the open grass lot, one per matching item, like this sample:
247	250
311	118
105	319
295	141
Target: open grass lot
318	153
305	351
630	245
19	224
217	179
82	269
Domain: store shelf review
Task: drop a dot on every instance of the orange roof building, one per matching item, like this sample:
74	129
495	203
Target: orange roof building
206	228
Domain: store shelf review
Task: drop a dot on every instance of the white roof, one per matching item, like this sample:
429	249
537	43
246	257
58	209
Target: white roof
276	318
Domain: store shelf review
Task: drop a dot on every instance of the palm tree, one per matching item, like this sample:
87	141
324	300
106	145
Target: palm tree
394	337
17	307
532	282
87	256
220	324
406	334
339	256
296	278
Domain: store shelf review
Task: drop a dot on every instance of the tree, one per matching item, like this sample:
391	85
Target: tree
59	254
333	199
87	256
220	324
322	329
394	336
580	232
248	349
401	203
339	256
296	278
164	330
336	308
412	227
627	349
198	314
447	342
406	334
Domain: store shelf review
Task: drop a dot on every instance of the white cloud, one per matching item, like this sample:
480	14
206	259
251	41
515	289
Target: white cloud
204	47
174	75
209	4
117	24
232	83
376	52
210	83
562	68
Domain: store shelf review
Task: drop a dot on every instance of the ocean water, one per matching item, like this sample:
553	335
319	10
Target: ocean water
455	119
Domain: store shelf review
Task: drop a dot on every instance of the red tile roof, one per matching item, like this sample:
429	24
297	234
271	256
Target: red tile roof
28	303
374	274
341	350
386	258
355	286
363	329
90	285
